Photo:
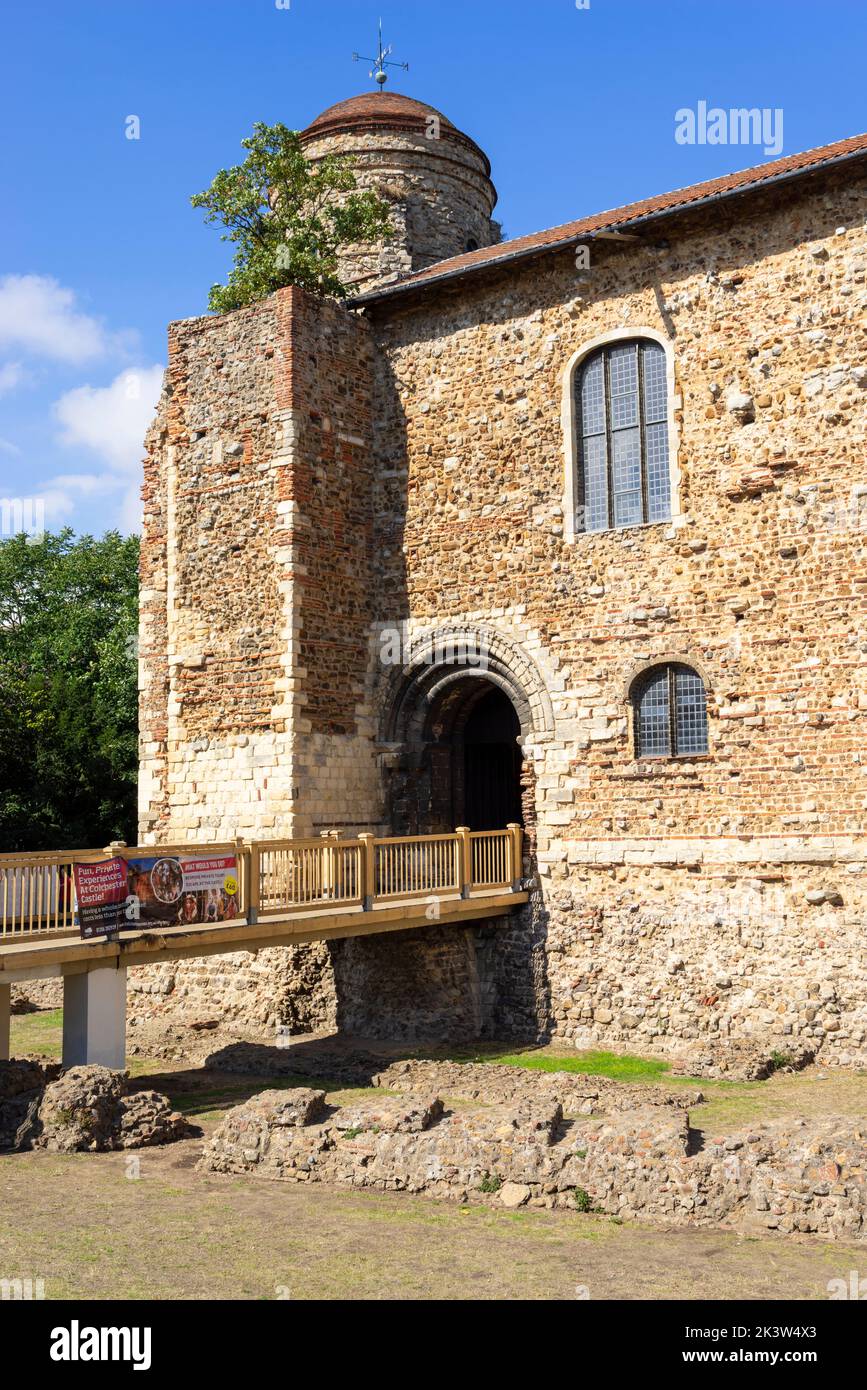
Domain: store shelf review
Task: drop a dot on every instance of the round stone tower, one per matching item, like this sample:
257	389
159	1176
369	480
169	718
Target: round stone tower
436	179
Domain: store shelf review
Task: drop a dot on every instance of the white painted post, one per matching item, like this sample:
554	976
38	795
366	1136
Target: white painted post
5	1016
94	1018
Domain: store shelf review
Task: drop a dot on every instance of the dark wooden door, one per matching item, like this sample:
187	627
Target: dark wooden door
492	785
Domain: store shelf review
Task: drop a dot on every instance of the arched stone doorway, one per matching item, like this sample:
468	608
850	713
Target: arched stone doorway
460	724
453	723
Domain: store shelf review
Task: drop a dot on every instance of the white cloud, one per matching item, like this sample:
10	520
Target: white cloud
39	316
130	512
42	322
69	494
58	505
85	484
112	420
12	374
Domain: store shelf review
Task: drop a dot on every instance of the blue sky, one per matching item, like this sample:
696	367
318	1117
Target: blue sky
99	248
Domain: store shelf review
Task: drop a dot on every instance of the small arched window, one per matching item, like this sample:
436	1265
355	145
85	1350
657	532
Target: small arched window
670	713
622	413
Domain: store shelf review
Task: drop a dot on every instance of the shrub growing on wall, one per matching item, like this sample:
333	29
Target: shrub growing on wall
288	218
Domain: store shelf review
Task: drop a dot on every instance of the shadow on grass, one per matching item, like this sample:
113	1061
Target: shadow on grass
208	1091
340	1062
353	1062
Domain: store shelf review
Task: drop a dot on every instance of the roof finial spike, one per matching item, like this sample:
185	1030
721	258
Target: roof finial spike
380	62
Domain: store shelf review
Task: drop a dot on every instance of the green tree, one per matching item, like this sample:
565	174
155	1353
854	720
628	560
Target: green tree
288	218
68	691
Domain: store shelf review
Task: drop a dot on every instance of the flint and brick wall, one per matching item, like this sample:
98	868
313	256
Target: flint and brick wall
255	593
439	194
722	896
255	575
409	468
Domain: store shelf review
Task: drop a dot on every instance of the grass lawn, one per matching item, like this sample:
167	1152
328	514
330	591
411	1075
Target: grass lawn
727	1106
40	1032
618	1066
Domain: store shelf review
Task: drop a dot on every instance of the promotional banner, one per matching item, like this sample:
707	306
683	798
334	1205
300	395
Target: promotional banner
101	893
182	890
162	890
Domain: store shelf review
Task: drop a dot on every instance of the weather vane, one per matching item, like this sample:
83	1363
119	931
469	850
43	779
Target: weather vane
380	63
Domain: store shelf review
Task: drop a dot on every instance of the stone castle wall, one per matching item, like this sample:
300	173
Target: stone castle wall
256	576
409	469
439	192
255	593
213	625
720	896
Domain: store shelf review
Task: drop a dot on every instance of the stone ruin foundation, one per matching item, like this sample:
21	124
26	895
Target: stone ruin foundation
469	1133
80	1109
557	1142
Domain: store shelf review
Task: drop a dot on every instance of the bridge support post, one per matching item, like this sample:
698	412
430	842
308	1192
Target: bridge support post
5	1019
94	1018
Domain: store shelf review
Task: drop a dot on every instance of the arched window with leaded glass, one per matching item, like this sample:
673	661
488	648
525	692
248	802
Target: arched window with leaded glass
670	710
621	400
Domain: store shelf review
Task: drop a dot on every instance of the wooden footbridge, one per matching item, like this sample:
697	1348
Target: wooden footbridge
283	892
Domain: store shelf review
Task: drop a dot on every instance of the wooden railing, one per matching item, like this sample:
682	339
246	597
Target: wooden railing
37	892
304	873
280	877
416	866
493	862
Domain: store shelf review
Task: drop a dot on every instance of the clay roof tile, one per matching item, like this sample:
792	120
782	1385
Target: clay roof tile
677	200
